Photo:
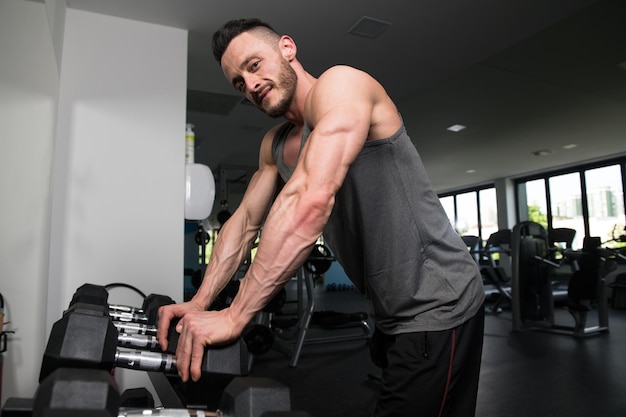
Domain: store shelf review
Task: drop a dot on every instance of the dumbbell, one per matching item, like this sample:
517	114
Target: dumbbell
139	334
86	337
72	392
98	295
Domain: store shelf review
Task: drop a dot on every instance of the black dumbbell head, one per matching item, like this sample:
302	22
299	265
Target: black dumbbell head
68	392
137	398
85	338
258	338
251	397
230	359
91	294
151	305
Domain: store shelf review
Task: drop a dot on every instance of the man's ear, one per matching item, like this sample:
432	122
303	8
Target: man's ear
287	48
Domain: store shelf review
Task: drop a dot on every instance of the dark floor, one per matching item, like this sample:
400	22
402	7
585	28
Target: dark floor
524	374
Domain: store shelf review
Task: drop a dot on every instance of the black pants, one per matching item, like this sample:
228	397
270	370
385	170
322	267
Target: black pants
432	374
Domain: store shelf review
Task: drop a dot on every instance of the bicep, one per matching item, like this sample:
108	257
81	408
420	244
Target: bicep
341	116
333	146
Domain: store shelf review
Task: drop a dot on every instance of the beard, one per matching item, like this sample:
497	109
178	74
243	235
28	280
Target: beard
287	80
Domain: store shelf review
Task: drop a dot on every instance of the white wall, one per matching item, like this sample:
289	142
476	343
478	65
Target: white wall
103	183
29	85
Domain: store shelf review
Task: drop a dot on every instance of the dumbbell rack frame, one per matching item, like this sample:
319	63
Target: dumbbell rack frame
291	341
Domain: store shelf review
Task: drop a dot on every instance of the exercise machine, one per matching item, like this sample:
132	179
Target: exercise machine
533	298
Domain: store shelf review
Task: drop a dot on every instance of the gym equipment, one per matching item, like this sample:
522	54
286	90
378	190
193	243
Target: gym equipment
98	295
76	392
533	301
320	260
136	398
226	296
71	392
258	338
129	321
277	302
292	339
619	291
494	256
199	191
87	337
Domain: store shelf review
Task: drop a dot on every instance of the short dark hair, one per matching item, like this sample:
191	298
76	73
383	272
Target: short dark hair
223	37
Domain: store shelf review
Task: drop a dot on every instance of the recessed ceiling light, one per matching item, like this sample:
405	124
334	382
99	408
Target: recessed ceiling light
369	27
542	152
470	171
570	146
456	128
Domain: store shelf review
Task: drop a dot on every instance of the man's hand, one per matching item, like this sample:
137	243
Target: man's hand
198	329
170	312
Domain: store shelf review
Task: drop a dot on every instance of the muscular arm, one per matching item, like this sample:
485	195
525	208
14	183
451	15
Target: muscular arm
341	108
233	243
236	237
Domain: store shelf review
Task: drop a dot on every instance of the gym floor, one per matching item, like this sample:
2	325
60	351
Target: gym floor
528	373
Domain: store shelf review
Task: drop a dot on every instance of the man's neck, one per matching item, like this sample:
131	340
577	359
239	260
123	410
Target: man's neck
295	114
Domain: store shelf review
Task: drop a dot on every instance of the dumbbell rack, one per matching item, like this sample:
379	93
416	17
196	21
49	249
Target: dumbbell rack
291	341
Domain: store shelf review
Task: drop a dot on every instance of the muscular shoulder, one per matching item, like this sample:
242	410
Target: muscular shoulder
342	72
343	78
355	95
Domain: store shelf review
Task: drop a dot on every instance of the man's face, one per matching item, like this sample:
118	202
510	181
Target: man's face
257	69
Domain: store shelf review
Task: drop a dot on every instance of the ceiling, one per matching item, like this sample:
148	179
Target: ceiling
522	75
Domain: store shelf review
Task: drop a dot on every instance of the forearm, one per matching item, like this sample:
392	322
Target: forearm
293	225
231	248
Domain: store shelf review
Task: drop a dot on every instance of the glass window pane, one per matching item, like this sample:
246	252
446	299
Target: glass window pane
488	212
606	202
467	212
448	206
566	205
536	204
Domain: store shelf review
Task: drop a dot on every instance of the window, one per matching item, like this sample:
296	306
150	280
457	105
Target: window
467	214
533	202
472	212
605	201
566	205
589	199
488	205
448	206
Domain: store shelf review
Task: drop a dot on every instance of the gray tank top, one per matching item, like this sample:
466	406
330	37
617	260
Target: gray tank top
393	239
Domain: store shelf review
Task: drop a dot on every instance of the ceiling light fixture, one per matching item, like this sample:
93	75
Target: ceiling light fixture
369	27
470	171
456	128
570	146
542	152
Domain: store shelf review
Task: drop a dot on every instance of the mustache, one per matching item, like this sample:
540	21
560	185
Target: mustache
256	95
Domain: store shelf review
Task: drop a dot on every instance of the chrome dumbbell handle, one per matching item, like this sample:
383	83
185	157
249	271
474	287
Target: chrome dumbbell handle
168	412
145	360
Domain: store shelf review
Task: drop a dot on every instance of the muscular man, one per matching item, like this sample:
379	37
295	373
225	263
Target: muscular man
344	166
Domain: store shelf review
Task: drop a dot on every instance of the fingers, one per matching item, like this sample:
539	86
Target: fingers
183	352
189	353
165	317
197	356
